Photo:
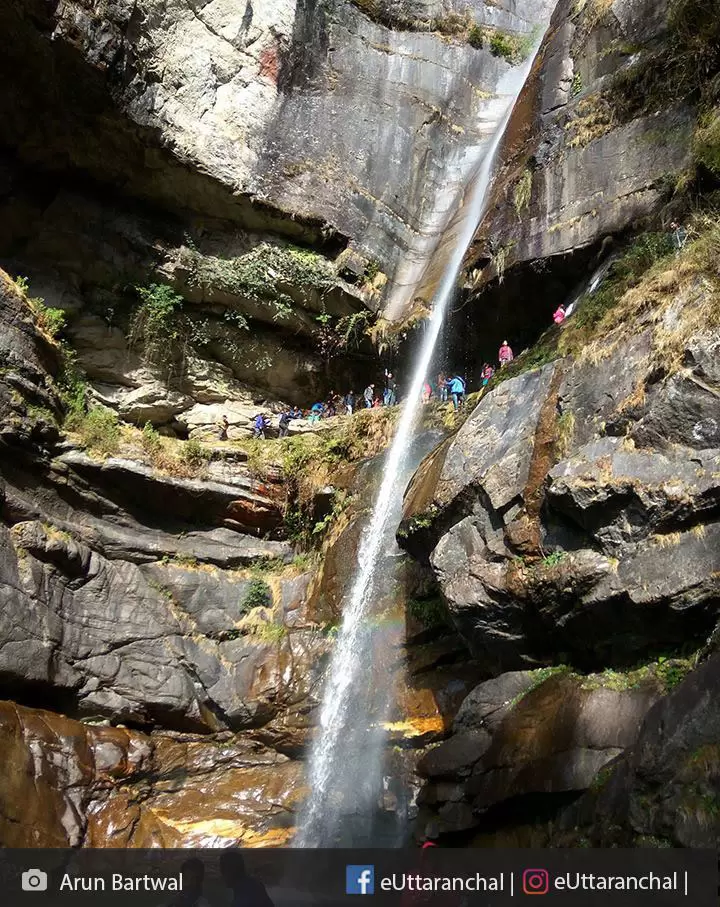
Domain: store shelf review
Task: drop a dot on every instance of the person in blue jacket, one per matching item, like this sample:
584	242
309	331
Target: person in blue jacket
260	424
456	386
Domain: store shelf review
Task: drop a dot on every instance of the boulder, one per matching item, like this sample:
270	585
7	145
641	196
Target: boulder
527	734
664	790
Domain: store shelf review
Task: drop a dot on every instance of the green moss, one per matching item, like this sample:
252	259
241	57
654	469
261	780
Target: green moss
257	595
263	275
51	321
476	36
270	631
601	779
420	521
667	672
431	612
706	143
99	430
504	45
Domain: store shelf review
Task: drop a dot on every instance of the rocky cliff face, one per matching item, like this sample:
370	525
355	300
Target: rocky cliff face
603	135
572	521
202	142
220	198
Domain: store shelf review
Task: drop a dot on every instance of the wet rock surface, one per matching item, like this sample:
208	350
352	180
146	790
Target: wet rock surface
67	784
578	150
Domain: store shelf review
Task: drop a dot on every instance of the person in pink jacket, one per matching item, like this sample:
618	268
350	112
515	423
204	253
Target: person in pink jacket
505	355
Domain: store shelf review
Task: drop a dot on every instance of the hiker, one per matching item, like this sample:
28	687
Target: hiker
316	411
679	236
560	314
350	403
376	404
223	426
426	392
260	425
368	395
505	354
486	374
330	410
442	387
390	395
284	424
456	386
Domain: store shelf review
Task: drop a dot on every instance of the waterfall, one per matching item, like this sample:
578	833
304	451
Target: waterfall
346	760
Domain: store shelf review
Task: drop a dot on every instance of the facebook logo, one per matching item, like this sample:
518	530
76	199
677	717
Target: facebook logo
360	880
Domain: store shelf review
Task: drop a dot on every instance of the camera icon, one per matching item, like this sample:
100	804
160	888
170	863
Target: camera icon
34	880
536	881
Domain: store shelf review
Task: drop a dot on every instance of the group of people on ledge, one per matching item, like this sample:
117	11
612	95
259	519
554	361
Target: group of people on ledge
448	387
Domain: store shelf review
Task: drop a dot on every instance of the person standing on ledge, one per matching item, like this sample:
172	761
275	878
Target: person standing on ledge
260	425
350	403
442	387
284	424
223	426
390	396
505	354
457	391
368	395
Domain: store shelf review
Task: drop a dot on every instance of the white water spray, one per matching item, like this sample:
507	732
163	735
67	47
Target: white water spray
346	759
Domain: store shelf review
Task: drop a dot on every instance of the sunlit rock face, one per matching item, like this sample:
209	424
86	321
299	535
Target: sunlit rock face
292	116
565	512
587	155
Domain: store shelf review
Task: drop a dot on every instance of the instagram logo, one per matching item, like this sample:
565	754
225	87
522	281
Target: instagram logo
536	881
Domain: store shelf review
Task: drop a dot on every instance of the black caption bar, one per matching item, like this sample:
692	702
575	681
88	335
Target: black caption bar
291	878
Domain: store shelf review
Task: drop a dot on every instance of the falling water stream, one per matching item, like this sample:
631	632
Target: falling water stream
346	760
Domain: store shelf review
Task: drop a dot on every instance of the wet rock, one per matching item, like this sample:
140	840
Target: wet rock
259	86
577	150
68	784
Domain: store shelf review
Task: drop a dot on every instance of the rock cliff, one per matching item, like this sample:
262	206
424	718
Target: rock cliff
213	209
